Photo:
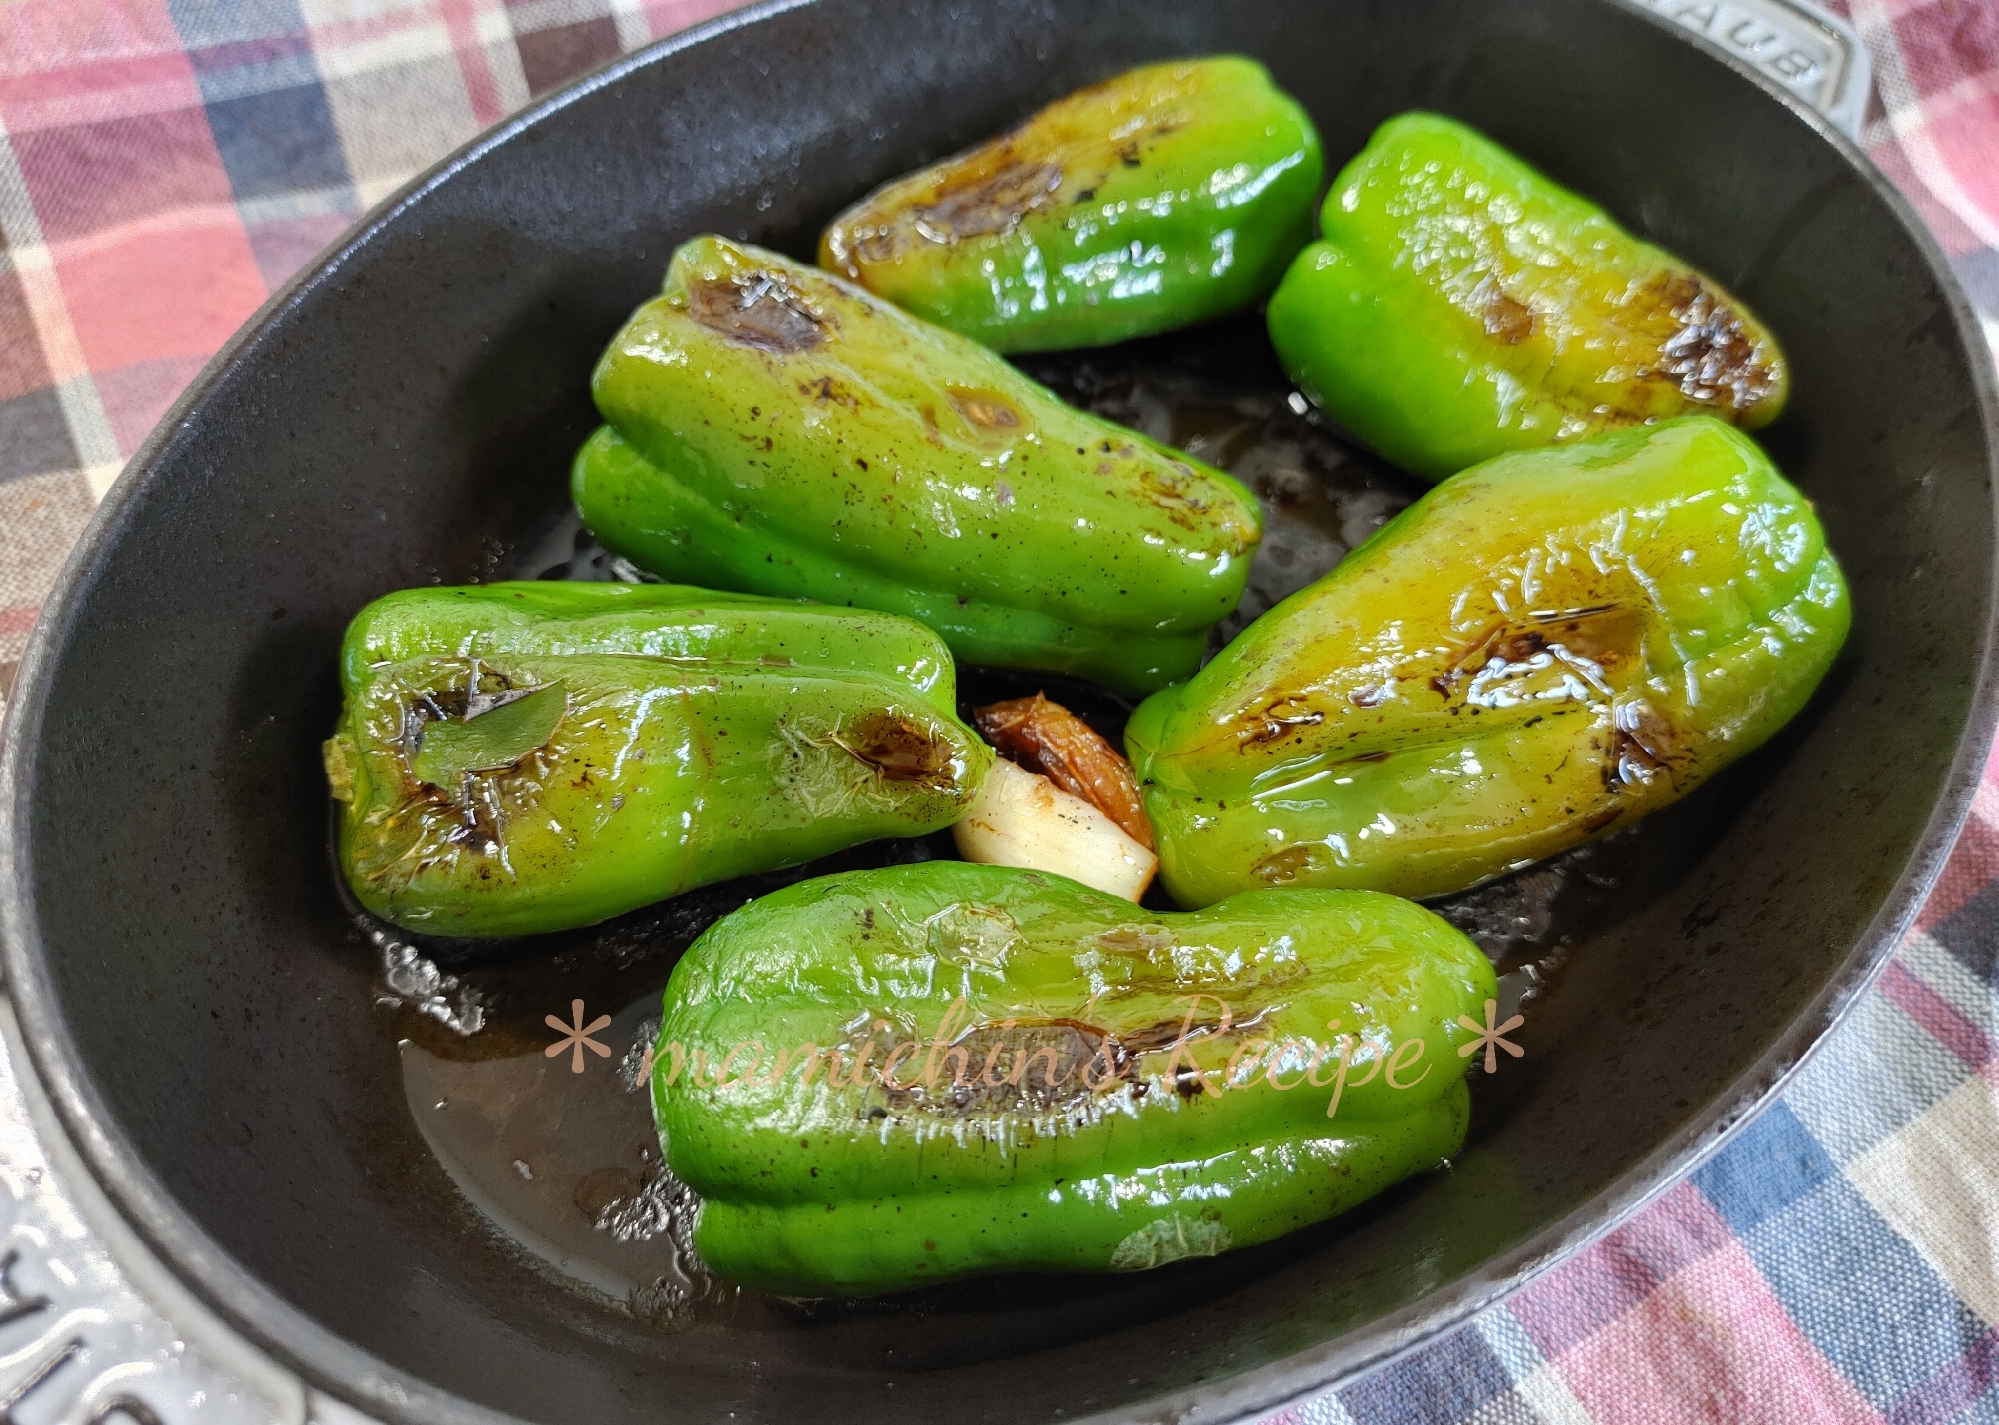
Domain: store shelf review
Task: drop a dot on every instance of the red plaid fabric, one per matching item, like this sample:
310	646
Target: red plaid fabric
165	164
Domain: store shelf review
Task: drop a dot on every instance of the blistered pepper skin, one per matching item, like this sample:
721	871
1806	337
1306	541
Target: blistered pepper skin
777	430
1462	305
700	736
1543	648
1170	194
1026	1080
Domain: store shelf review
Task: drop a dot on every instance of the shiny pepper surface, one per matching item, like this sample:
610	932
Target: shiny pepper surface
1173	193
886	1078
516	758
777	430
1545	647
1462	305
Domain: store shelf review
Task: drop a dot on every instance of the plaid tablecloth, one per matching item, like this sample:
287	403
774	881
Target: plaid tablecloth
165	164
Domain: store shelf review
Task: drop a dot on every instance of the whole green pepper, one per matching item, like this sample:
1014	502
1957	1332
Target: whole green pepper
1544	647
887	1078
1462	305
777	430
516	758
1170	194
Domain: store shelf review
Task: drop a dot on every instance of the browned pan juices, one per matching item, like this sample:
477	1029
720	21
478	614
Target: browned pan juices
566	1164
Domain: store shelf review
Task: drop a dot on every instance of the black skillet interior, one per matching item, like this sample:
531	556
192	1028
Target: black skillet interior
196	997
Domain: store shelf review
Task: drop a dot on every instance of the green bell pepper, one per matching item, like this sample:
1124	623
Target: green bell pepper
1462	306
1170	194
515	758
1544	647
886	1078
777	430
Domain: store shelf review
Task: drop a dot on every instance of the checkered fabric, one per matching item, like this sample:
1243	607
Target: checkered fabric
165	164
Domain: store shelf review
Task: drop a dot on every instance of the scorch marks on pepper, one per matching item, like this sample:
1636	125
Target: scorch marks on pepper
1712	354
1166	195
775	429
612	745
1502	316
1543	646
897	748
1462	305
1593	639
758	309
989	194
1105	1088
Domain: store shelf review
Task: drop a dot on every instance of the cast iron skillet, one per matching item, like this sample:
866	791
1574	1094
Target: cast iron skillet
194	997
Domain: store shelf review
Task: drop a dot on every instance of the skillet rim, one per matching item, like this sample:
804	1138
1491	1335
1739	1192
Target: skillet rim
328	1363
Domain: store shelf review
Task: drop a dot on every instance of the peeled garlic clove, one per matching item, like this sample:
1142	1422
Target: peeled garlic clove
1022	819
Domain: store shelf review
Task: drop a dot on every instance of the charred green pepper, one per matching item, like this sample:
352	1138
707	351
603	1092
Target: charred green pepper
887	1078
1170	194
1462	305
1542	648
516	758
777	430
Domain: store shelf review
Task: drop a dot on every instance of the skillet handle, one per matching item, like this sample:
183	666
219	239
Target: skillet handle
1808	50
